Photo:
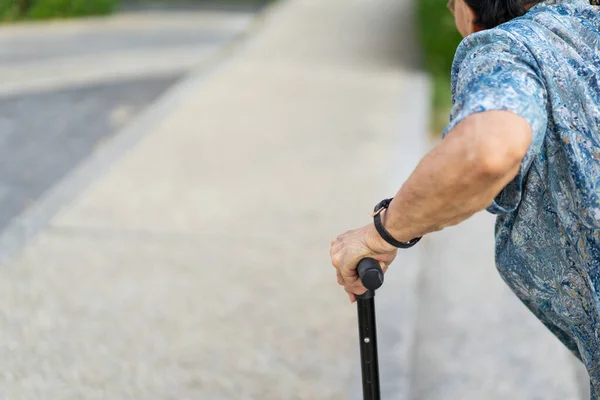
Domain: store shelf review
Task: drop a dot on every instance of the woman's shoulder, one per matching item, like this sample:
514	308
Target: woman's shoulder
492	45
544	26
545	33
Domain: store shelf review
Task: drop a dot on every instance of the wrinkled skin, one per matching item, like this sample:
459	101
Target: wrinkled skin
351	247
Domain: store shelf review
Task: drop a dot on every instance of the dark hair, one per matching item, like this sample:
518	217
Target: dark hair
491	13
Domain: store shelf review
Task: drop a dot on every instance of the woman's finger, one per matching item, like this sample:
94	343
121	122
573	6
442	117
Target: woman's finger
351	295
339	278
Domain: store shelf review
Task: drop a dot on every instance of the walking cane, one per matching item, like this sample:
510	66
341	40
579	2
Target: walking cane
371	276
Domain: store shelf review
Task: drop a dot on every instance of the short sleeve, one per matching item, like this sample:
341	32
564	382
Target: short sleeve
492	70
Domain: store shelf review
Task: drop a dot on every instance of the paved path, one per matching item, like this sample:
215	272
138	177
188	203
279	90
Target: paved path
475	338
69	87
197	266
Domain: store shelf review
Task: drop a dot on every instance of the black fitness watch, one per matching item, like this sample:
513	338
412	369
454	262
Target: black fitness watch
385	235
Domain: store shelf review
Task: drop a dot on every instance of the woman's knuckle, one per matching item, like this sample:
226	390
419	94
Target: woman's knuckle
336	260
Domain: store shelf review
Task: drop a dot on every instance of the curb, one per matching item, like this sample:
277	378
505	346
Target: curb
397	300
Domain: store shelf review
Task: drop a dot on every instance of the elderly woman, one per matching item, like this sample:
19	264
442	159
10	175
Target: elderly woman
524	142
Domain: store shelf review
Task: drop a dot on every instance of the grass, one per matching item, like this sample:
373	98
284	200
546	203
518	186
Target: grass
439	39
44	9
9	10
199	2
13	10
17	10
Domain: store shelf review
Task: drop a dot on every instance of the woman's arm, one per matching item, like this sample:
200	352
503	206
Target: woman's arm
461	176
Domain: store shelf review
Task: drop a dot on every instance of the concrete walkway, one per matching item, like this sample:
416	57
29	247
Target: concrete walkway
197	266
475	338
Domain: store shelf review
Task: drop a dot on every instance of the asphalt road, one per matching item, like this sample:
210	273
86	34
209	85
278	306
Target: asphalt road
44	135
48	130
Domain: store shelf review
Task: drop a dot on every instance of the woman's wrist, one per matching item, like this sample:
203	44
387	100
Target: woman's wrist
401	235
376	243
381	212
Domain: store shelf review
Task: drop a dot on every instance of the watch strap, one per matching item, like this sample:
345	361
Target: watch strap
385	235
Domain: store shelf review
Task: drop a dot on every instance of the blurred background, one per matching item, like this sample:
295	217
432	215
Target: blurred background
171	175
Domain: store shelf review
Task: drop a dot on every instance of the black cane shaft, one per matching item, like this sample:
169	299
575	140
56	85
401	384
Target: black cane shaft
368	348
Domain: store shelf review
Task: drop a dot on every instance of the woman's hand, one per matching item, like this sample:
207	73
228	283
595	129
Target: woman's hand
351	247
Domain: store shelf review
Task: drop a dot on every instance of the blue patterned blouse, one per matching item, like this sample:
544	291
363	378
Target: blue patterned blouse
545	67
